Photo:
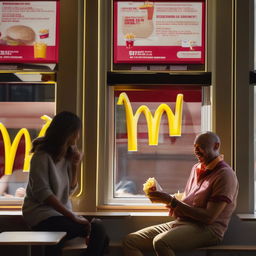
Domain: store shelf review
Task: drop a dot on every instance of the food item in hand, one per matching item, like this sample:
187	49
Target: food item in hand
151	185
178	195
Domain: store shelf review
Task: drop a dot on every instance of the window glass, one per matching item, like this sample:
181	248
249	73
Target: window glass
254	100
21	106
171	160
254	34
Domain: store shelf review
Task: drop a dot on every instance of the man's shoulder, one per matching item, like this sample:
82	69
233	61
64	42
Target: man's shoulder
225	170
222	165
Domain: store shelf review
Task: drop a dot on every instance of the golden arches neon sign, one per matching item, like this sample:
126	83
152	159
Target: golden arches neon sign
153	122
10	149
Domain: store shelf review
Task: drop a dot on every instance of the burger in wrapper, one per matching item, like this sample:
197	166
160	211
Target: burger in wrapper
19	35
151	185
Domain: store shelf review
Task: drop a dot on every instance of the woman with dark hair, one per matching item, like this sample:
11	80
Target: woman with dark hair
52	179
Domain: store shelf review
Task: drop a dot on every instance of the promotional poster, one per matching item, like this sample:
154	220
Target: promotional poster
29	31
159	32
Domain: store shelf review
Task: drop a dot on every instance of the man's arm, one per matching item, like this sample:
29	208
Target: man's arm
206	216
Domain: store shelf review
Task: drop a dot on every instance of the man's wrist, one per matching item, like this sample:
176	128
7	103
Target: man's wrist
174	203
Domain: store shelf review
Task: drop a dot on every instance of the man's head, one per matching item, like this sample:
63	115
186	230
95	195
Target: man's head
206	147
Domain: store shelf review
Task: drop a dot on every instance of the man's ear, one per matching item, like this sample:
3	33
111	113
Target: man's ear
216	146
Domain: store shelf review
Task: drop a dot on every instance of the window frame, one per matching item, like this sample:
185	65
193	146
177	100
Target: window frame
107	188
30	78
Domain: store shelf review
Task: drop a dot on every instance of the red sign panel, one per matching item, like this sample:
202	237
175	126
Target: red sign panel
29	31
159	32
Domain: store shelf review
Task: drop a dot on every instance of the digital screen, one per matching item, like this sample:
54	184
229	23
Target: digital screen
159	32
29	31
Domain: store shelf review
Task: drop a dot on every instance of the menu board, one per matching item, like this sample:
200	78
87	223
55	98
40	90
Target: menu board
159	32
29	31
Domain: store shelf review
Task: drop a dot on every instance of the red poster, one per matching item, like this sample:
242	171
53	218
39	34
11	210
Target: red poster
159	32
29	31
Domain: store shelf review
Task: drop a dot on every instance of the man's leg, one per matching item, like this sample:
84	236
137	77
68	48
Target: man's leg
183	237
135	243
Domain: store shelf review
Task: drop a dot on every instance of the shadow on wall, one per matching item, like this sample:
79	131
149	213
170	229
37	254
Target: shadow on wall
240	232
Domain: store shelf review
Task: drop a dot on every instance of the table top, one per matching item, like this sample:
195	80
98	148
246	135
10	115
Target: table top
30	237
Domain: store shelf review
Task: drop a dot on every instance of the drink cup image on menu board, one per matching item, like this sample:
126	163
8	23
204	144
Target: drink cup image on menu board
159	31
29	31
40	50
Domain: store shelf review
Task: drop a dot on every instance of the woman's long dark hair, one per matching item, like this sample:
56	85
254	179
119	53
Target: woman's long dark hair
62	126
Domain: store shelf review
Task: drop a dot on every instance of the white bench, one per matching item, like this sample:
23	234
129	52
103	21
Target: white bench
29	238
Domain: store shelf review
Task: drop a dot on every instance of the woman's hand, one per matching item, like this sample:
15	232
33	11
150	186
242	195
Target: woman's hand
76	155
160	197
80	219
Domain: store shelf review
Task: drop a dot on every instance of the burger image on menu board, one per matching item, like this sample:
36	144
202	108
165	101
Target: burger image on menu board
19	35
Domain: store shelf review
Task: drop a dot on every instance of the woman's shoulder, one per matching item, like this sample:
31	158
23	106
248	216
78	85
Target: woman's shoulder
40	156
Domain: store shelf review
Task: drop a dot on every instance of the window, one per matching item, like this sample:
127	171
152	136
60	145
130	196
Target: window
21	106
254	109
171	160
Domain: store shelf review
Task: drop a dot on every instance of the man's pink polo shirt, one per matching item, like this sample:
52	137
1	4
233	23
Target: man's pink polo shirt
213	185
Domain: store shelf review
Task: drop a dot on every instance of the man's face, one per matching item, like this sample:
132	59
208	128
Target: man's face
200	152
203	150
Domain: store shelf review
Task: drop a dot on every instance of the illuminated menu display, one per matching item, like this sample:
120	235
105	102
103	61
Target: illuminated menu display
29	31
159	32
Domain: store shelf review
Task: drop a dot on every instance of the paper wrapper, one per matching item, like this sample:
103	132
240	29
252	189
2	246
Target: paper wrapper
151	185
178	195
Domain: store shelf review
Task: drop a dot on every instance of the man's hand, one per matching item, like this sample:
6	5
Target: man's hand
160	197
20	192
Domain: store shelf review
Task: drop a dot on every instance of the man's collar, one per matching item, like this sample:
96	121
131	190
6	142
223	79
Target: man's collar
203	170
212	164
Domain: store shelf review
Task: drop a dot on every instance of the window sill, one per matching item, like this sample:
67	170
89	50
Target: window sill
124	214
100	214
246	216
11	200
133	208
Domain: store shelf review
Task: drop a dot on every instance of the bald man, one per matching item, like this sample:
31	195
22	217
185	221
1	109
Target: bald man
201	218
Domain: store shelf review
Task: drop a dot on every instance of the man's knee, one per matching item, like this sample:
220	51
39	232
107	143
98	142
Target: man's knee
130	240
159	244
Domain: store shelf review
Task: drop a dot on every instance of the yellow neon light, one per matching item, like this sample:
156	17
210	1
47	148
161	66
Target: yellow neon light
153	122
10	149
